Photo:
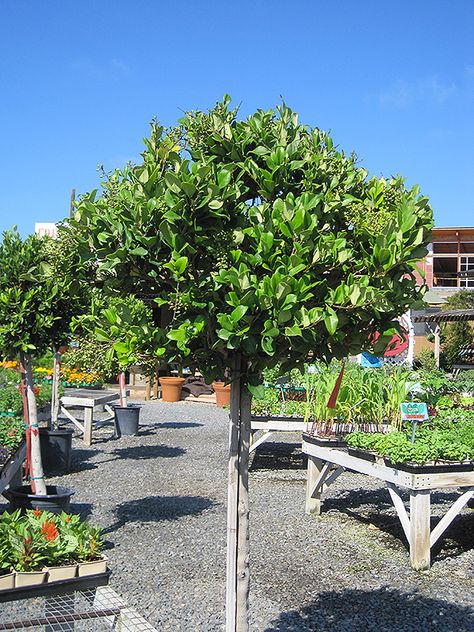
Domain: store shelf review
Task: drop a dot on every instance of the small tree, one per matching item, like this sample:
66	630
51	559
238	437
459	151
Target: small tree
38	297
267	245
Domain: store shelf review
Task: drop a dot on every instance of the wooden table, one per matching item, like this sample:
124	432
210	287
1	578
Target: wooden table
88	399
270	425
326	464
10	472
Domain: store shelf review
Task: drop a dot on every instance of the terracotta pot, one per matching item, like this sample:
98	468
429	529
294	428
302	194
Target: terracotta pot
58	573
171	388
222	391
31	578
92	568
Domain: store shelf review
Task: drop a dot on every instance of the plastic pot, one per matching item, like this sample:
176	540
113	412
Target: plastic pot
57	498
126	419
56	450
222	391
171	388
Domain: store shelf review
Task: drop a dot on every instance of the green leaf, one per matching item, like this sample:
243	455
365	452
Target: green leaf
238	313
180	264
331	321
223	178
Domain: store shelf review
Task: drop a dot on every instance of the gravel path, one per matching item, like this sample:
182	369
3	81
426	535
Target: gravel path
160	498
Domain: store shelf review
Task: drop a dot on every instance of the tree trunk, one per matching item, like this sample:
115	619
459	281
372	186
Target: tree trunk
37	477
243	544
55	390
233	497
238	576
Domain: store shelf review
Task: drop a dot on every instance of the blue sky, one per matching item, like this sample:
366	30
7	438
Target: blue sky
80	81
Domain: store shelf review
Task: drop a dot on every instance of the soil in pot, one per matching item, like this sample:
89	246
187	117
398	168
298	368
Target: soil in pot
56	450
127	419
222	391
57	499
171	388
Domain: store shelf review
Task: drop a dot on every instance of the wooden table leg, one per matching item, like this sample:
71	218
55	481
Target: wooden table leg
313	498
420	529
88	415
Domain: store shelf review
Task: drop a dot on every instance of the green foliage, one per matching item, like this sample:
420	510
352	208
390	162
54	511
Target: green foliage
433	385
455	336
92	356
425	360
37	299
434	442
251	232
36	538
464	382
12	432
10	400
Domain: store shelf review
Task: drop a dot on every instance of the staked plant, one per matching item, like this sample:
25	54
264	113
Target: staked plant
257	242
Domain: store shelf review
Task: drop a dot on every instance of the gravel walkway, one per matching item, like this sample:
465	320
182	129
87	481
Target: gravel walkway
160	498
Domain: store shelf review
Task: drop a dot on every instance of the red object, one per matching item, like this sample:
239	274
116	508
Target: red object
398	343
337	387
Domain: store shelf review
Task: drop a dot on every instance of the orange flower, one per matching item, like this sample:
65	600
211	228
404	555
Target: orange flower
37	513
48	529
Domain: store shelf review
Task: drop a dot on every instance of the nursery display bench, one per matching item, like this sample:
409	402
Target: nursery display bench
271	424
10	472
88	399
325	464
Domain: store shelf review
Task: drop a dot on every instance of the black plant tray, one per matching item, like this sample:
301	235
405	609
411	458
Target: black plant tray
325	442
431	468
56	588
360	453
276	418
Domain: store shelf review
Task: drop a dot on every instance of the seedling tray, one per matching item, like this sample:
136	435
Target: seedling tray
276	418
325	442
431	468
360	453
56	588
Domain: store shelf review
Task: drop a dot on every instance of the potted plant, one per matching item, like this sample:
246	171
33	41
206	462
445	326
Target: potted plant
38	296
222	390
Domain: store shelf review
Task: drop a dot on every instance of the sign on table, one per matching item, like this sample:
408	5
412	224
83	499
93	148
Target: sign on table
414	411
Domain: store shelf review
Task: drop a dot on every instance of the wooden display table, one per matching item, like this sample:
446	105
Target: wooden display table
88	399
416	523
10	472
271	424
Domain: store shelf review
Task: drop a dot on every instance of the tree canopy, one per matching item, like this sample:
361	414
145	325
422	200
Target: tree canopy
257	237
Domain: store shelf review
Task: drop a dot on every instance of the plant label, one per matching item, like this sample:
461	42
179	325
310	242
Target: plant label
414	411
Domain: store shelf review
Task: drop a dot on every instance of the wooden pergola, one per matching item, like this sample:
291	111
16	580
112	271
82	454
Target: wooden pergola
435	321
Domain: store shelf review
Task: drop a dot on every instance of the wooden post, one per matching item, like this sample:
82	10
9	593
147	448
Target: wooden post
313	499
71	206
55	390
38	485
88	415
147	388
420	529
233	498
243	543
437	345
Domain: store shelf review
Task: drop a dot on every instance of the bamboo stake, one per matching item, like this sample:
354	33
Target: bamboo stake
233	497
38	485
243	544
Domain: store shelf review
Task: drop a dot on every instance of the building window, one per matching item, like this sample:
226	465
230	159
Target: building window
442	248
466	264
445	272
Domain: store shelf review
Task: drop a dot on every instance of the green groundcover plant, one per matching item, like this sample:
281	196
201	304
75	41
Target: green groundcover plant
31	541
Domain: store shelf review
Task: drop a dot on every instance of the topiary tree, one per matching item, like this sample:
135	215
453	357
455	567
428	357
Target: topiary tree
267	244
39	294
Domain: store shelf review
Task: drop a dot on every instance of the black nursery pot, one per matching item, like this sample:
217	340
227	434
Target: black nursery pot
57	499
56	450
126	419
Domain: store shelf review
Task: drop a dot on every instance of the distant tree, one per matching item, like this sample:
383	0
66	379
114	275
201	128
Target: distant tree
455	336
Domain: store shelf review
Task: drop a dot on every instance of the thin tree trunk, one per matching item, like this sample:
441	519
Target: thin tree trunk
233	497
55	390
38	485
243	544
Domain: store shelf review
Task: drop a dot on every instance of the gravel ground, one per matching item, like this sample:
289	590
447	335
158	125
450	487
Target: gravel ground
160	498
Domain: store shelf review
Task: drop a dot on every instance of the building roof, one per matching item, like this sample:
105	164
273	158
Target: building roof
454	315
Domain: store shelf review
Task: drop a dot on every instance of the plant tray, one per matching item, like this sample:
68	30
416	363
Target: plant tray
276	418
56	588
431	468
360	453
325	442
